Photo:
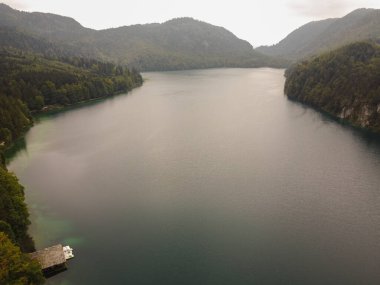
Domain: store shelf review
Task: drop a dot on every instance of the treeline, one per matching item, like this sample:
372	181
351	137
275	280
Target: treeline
30	83
16	267
344	83
180	62
12	38
15	118
14	216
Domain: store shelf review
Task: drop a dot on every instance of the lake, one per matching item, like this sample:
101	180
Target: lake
204	177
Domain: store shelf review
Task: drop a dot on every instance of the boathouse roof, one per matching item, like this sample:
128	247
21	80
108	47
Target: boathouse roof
50	257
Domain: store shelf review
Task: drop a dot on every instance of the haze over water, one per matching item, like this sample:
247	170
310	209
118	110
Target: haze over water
205	177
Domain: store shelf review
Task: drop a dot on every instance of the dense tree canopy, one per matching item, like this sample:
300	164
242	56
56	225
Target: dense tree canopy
344	83
14	216
17	268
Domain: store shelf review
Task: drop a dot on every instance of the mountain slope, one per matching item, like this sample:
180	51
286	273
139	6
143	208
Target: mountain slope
63	34
317	37
11	38
176	44
50	26
344	83
296	43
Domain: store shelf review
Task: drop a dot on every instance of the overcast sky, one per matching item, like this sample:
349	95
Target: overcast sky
257	21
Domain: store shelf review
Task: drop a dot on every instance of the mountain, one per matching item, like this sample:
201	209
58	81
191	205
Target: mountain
50	26
11	38
344	83
321	36
296	44
177	44
60	35
181	43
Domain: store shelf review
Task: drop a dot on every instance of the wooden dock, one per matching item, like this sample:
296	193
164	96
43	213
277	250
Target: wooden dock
52	259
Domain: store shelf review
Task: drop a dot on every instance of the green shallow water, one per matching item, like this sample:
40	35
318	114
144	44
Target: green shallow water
204	177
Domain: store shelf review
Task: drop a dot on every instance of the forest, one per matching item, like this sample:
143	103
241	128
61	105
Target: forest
344	83
32	83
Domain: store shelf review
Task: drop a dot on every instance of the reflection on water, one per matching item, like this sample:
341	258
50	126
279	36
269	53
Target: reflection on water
205	177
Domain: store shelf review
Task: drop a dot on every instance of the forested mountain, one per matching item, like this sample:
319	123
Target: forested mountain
30	83
50	26
178	44
11	38
321	36
297	43
344	83
182	43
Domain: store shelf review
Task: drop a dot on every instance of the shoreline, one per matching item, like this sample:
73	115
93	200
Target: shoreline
10	151
335	118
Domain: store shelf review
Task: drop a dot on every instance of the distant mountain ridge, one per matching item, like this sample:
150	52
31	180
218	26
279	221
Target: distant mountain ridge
181	43
320	36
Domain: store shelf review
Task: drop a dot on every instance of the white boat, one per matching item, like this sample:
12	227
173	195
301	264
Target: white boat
68	252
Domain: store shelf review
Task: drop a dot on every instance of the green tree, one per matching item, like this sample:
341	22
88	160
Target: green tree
7	229
344	83
17	268
13	209
39	102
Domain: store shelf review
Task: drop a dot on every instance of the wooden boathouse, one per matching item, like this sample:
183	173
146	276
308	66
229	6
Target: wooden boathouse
53	259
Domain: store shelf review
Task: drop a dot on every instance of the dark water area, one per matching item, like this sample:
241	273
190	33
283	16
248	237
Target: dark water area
205	177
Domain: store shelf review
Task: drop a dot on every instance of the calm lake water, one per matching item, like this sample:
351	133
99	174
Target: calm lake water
205	177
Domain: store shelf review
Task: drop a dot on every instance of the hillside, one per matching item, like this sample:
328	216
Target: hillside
182	43
177	44
321	36
50	26
297	43
344	83
11	38
30	82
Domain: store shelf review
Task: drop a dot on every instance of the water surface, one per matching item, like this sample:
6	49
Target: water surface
205	177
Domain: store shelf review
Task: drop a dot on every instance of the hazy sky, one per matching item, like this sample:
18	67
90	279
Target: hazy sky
257	21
